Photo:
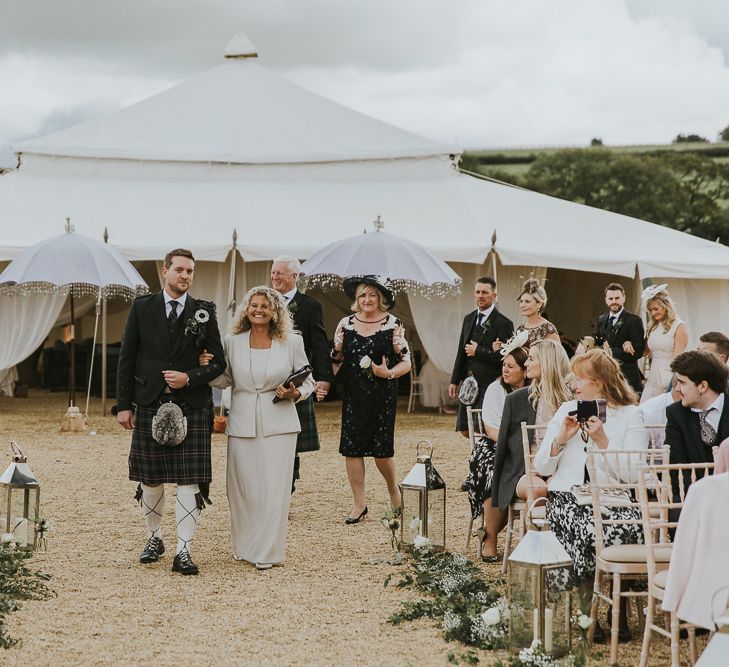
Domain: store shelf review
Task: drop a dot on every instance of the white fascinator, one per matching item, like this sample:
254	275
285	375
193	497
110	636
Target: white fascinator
650	291
517	340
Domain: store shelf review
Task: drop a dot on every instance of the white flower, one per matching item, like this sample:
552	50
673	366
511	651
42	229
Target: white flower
202	316
365	362
451	621
7	538
414	524
491	616
422	542
584	621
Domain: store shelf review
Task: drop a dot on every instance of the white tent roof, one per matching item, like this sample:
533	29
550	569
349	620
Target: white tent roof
239	147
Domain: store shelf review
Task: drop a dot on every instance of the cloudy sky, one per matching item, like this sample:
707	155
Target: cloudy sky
481	73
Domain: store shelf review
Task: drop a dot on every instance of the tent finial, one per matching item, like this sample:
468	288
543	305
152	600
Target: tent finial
493	239
106	235
235	238
68	226
379	224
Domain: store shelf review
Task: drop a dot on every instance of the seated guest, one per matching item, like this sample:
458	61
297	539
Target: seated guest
481	463
654	412
716	343
562	455
547	369
700	419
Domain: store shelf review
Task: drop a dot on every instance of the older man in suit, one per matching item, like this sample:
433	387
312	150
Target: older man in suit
309	321
159	363
624	333
482	333
700	419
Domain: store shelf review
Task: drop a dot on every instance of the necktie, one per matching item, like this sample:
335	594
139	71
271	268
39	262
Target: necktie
708	432
612	321
479	320
172	318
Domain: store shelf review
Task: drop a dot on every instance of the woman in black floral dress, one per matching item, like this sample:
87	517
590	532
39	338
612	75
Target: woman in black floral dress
371	348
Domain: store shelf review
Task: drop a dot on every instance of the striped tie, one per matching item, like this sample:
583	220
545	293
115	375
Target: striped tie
708	432
172	318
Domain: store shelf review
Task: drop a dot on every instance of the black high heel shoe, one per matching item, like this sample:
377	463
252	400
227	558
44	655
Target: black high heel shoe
356	519
481	534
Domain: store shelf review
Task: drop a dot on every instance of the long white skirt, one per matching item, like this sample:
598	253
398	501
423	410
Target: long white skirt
258	484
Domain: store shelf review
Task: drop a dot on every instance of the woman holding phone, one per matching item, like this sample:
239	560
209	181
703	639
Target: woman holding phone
616	422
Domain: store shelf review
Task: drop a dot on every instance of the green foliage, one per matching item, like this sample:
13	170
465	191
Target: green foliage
455	595
690	139
18	582
681	190
724	134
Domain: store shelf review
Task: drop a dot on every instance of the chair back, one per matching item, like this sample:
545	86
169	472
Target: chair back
614	478
659	507
475	425
529	452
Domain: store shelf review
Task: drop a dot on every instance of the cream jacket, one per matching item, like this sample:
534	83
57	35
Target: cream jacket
624	429
283	359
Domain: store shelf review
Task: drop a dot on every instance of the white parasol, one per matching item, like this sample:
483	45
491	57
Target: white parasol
409	266
83	266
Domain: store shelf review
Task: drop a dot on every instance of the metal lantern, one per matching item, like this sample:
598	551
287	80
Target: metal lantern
540	605
423	508
20	492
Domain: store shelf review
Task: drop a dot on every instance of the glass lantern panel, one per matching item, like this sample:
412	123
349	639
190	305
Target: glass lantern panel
523	595
20	509
557	609
411	523
436	517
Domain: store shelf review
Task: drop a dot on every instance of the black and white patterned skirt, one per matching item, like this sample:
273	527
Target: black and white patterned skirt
480	474
574	527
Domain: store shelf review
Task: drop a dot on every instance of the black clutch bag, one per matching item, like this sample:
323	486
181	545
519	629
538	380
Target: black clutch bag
297	377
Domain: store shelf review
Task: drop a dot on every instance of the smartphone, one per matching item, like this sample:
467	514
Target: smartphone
596	408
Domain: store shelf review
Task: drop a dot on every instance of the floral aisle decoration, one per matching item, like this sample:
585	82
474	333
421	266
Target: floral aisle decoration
456	596
17	582
391	521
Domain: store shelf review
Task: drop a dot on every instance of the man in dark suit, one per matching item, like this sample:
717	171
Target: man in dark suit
477	355
158	364
309	320
624	333
700	419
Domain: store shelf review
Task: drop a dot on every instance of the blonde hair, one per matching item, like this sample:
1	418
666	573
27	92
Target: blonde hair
533	288
281	325
384	303
663	298
605	372
551	387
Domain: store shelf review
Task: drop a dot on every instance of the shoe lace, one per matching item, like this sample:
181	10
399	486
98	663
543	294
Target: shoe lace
154	543
184	557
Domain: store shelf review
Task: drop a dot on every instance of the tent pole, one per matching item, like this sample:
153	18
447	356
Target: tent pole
93	353
103	357
72	384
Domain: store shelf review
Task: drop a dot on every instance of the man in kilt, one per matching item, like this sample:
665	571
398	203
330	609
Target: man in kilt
309	320
164	335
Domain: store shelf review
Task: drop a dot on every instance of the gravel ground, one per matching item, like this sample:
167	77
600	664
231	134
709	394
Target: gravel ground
325	606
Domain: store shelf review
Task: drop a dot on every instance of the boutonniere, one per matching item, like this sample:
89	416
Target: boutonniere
486	325
197	324
617	326
293	306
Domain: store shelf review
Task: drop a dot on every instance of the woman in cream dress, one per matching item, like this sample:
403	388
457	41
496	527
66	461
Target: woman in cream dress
666	337
261	353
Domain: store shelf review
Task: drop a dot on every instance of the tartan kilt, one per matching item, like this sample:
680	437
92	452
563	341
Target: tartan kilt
187	463
308	440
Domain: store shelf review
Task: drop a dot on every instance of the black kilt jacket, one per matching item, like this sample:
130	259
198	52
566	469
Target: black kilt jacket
148	349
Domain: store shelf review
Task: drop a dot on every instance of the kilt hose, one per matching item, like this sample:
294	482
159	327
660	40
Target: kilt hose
187	463
308	439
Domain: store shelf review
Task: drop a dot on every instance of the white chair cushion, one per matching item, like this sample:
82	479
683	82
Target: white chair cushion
635	553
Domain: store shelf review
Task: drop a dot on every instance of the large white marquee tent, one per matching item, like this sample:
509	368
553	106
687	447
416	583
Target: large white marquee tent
241	148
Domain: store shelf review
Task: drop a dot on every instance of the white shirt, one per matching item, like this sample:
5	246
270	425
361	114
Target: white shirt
493	404
181	300
485	313
714	416
289	295
654	412
616	316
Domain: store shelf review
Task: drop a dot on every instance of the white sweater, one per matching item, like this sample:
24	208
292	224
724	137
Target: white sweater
624	429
